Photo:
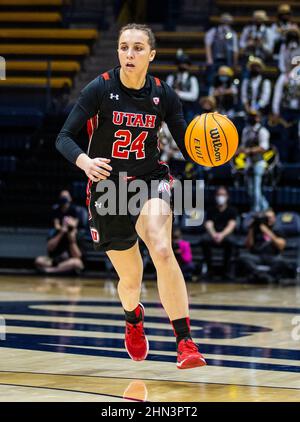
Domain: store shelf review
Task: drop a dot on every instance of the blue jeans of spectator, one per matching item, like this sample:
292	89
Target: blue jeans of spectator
254	183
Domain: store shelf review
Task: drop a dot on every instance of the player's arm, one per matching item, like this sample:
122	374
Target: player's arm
86	107
175	120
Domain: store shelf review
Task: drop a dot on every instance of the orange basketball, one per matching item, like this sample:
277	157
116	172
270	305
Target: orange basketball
211	139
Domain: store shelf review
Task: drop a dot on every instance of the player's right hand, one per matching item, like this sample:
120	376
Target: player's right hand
98	169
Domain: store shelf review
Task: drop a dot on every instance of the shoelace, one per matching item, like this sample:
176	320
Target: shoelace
135	330
188	344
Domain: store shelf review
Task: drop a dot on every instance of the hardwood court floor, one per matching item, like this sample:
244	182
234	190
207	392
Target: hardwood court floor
62	340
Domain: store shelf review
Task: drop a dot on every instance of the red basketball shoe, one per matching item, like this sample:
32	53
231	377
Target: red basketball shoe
136	342
188	355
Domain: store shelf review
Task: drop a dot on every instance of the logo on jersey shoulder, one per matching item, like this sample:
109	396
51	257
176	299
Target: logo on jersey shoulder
114	96
156	100
95	235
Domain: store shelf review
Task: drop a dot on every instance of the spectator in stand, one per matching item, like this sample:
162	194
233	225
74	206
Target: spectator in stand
287	50
254	142
256	89
168	147
285	107
64	255
265	245
183	252
186	86
256	39
208	104
220	224
278	29
225	91
221	45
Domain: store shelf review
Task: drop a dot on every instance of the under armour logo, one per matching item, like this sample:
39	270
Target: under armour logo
114	96
164	186
98	204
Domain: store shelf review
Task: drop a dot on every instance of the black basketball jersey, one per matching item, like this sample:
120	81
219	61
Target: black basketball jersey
126	126
123	123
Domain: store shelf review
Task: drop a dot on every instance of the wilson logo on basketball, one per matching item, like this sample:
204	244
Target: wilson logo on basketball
215	136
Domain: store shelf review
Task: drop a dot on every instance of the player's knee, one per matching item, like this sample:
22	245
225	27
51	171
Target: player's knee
132	282
161	251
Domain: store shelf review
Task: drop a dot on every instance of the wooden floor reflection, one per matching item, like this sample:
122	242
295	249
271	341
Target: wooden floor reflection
62	340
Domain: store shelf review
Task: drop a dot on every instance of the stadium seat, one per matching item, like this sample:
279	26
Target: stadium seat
12	117
253	4
33	3
7	164
42	50
54	34
242	20
37	82
289	223
30	17
290	174
34	68
163	69
179	37
171	52
287	196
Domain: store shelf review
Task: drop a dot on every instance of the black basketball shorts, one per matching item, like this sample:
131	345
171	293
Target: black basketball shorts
114	231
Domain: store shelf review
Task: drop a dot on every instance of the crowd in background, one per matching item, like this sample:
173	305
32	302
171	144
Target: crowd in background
237	82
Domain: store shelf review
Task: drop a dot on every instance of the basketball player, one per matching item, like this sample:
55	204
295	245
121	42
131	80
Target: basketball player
124	109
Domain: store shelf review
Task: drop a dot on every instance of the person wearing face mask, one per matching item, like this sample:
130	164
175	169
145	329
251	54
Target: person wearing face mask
185	85
220	224
265	244
225	91
207	104
64	254
255	141
256	39
221	46
256	89
287	50
285	108
278	29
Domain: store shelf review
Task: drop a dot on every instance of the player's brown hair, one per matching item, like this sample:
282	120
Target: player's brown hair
140	27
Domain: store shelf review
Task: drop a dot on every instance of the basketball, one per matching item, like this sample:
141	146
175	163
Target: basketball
211	139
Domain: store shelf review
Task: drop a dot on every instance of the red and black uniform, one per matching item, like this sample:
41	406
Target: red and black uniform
122	125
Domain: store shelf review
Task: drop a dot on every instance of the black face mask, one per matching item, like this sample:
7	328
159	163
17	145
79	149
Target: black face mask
254	72
292	38
251	120
258	25
64	200
284	19
182	68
